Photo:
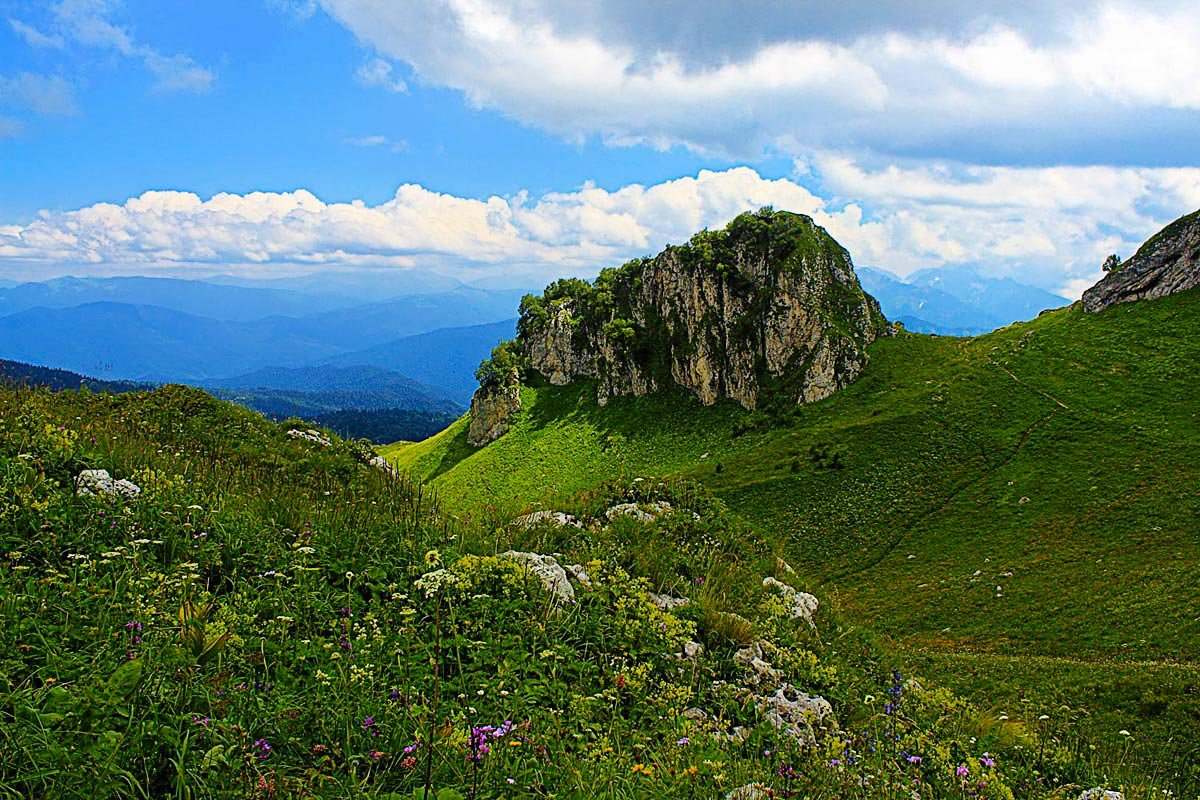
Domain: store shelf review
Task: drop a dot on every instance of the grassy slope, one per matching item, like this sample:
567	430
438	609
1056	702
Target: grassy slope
1092	418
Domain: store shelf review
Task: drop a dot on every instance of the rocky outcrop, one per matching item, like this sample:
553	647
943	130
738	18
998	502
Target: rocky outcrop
1167	263
769	304
492	410
548	571
100	482
801	605
310	435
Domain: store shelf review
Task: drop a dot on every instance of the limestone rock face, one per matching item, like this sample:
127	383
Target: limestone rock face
548	571
492	410
771	303
1167	263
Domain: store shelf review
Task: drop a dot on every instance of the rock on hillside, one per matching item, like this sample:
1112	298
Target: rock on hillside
768	306
1167	263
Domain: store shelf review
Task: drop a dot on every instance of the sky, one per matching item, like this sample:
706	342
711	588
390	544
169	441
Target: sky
530	139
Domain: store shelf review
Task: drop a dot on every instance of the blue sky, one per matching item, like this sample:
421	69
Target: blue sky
544	138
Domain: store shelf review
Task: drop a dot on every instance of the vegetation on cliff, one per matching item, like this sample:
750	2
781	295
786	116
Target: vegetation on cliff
767	309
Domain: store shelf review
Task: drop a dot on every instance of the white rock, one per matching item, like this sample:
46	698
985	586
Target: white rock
381	463
803	605
649	513
695	714
98	481
666	602
693	650
1099	793
751	791
759	671
548	571
536	518
580	575
310	435
795	712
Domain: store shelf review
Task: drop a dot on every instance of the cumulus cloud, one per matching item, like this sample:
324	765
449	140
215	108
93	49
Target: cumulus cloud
1053	224
759	83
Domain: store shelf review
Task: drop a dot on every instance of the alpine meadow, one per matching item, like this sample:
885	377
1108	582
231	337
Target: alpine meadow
495	399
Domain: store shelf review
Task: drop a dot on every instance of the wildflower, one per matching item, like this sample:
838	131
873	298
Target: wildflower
962	771
368	725
987	761
375	754
199	720
914	759
408	763
683	741
264	749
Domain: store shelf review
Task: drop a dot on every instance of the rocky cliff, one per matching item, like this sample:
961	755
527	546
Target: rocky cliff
768	307
492	408
1167	263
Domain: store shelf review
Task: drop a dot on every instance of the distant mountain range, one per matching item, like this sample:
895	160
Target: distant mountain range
363	342
955	301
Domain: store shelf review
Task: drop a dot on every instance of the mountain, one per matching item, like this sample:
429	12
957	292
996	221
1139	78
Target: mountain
1169	262
333	388
359	286
445	358
1014	512
57	380
198	298
767	308
152	342
955	301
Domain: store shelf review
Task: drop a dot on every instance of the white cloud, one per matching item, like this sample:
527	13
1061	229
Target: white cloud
41	94
1052	226
35	38
1049	225
880	89
378	72
378	140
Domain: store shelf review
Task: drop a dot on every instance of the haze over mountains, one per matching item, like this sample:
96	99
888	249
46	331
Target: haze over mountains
419	335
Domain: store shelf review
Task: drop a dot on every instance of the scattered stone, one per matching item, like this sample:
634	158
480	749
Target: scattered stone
758	670
1023	501
751	791
692	650
580	575
803	604
1099	793
548	571
695	714
381	463
98	481
649	513
796	713
666	602
556	518
310	435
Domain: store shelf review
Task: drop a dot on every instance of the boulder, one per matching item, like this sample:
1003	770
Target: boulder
666	602
556	518
548	571
801	605
647	513
796	713
310	435
493	408
99	482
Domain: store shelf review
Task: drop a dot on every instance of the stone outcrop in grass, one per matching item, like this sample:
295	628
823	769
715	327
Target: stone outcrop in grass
1167	263
769	304
100	482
